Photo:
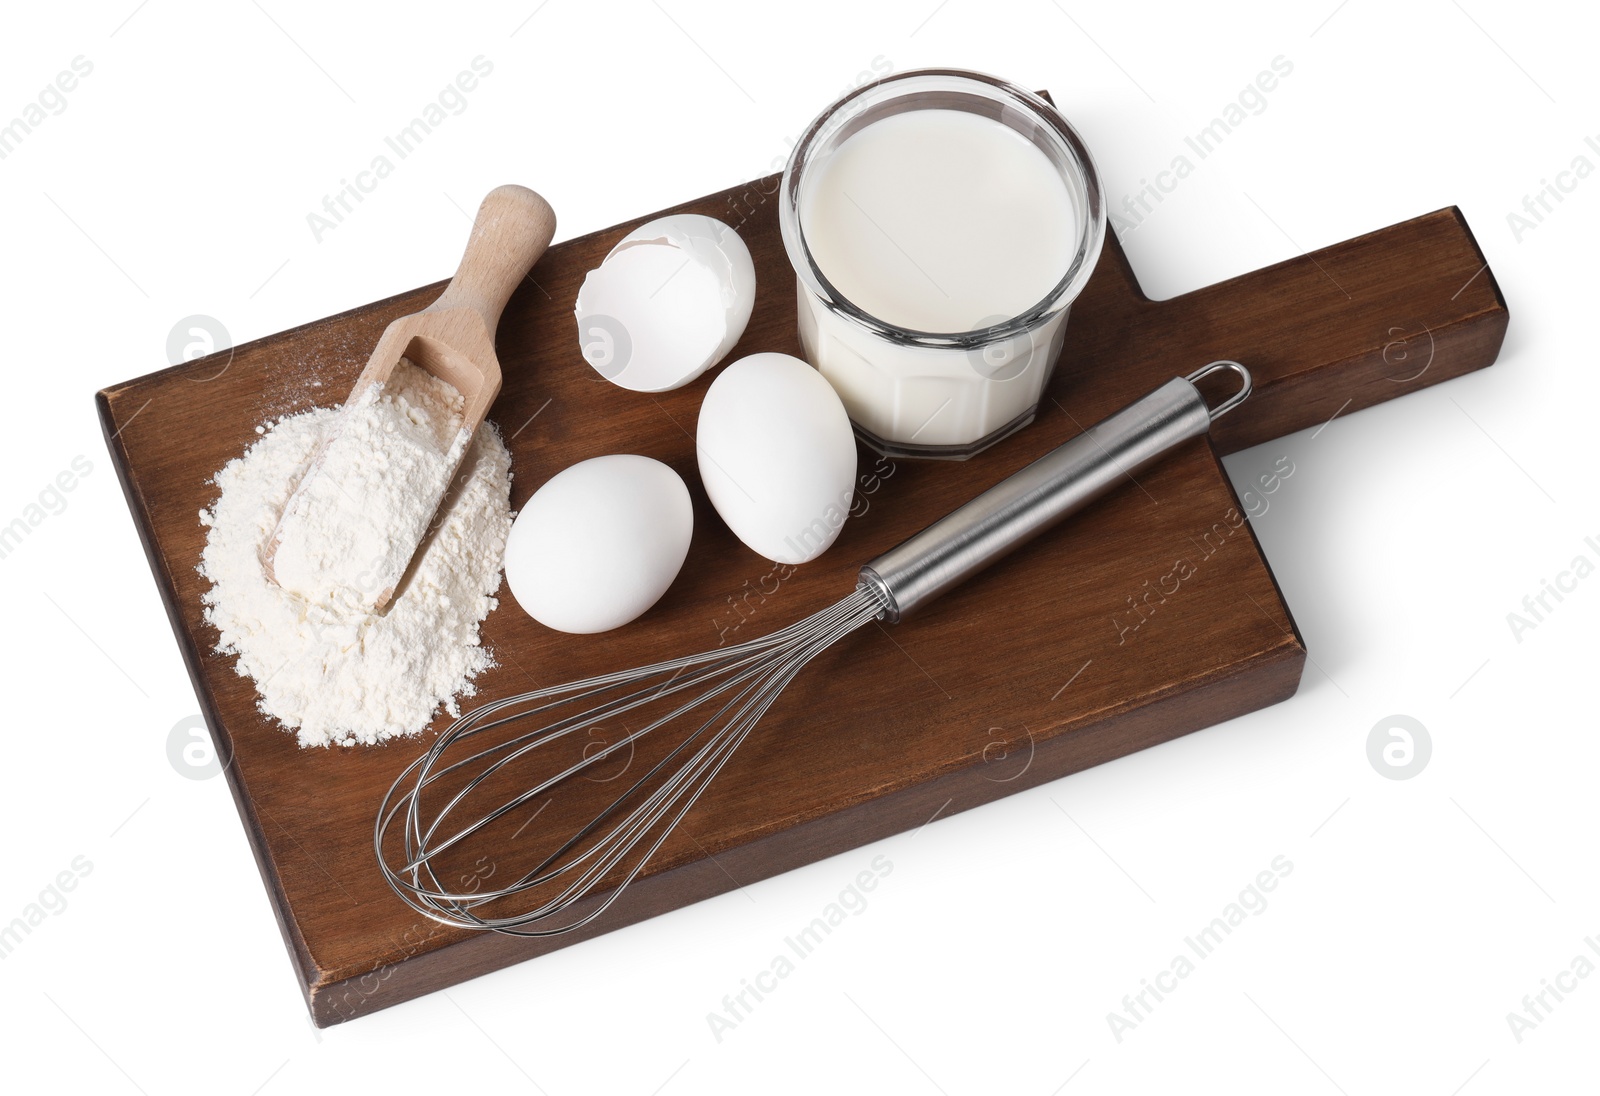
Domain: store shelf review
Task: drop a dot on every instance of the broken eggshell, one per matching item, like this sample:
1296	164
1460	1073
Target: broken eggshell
667	303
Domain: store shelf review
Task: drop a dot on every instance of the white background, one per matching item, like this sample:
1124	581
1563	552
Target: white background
1419	912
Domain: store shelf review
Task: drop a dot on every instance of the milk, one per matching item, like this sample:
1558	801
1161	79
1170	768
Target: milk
942	221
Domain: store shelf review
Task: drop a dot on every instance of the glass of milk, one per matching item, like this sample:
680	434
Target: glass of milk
941	223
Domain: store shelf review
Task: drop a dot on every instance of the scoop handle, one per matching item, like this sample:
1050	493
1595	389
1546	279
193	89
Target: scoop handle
513	227
1058	484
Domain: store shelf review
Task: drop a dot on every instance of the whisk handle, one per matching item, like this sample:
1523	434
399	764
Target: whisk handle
1055	486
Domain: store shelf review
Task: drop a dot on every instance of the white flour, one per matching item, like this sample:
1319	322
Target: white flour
354	523
323	666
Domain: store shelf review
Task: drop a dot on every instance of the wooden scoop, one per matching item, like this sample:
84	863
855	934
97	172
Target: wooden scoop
453	339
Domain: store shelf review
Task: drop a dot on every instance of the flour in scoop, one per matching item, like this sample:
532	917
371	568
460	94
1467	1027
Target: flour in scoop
353	524
324	666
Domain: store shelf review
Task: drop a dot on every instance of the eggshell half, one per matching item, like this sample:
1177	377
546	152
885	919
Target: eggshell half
599	543
777	456
667	303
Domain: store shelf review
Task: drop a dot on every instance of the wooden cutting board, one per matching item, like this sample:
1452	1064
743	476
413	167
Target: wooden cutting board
1029	672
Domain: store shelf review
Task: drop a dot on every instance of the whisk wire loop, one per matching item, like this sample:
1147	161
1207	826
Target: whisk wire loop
738	684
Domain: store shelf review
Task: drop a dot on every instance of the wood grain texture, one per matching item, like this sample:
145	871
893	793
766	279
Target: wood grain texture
959	706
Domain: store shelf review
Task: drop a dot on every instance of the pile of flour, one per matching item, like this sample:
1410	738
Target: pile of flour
322	664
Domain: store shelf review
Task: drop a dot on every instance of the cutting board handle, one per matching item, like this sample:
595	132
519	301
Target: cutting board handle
513	227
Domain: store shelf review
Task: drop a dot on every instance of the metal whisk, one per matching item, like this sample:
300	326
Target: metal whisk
736	685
